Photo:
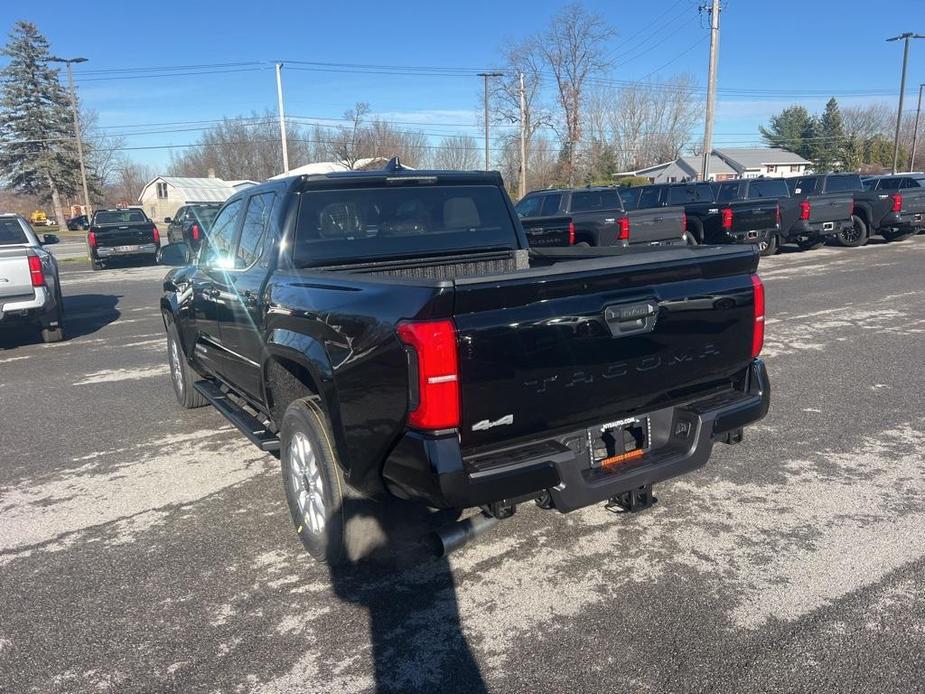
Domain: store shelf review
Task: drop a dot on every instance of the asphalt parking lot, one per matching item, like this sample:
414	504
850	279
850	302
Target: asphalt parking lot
146	548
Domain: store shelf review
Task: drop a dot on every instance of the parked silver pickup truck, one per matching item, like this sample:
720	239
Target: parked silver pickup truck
29	288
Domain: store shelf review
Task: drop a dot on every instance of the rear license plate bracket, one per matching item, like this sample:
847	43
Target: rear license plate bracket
620	442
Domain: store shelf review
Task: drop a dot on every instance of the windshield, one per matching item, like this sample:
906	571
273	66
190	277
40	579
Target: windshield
376	223
119	217
11	233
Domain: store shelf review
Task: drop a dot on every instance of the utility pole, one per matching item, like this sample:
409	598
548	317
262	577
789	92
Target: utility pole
485	76
915	128
902	90
282	116
523	136
80	148
714	11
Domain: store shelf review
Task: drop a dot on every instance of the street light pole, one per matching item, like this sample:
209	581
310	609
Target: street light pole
80	148
915	128
282	116
902	91
485	76
523	137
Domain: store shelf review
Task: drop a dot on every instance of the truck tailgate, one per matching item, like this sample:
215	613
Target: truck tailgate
832	207
15	278
125	235
581	343
546	231
656	225
754	215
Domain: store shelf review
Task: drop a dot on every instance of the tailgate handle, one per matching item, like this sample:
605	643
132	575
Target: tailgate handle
631	319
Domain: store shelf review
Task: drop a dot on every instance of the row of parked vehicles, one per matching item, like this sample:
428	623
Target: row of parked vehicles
808	211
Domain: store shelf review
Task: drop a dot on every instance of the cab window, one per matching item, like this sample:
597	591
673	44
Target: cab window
218	252
253	231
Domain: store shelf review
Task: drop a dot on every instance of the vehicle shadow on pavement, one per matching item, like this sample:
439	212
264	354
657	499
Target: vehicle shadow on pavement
402	624
84	314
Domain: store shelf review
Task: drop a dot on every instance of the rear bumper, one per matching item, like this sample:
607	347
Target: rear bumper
803	230
113	251
432	469
903	221
751	236
25	308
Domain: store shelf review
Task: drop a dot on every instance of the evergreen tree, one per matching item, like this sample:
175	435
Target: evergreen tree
37	148
828	147
791	129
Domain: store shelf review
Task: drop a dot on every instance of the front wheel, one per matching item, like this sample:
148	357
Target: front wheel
896	235
182	376
334	522
853	236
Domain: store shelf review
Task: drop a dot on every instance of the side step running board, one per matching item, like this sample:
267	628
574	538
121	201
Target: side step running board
249	425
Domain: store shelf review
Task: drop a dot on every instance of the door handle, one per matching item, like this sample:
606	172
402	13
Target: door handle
658	219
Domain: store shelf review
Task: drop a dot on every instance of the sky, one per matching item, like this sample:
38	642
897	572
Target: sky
772	53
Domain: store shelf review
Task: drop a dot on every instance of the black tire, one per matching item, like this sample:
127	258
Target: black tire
335	523
97	265
691	239
897	235
811	244
583	244
771	248
694	232
50	334
855	235
182	377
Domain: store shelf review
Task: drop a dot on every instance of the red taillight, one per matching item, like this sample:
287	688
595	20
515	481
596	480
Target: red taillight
727	218
683	223
157	235
91	239
35	270
758	333
194	231
897	202
623	232
777	215
805	209
436	405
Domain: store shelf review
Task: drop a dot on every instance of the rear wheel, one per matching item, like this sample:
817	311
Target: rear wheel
770	246
56	333
181	375
334	522
810	244
853	236
97	265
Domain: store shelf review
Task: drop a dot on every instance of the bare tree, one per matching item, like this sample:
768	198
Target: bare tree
865	122
128	179
458	152
574	49
349	146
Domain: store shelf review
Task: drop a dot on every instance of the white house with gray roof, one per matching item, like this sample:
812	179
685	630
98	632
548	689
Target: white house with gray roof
726	163
163	196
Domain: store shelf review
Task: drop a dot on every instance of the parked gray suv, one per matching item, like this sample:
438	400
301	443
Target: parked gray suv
29	288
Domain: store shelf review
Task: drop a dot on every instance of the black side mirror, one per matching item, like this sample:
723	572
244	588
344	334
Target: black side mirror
49	239
168	220
174	255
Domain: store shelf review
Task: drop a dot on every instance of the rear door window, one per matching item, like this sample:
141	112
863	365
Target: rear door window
803	186
870	183
680	195
649	197
586	201
629	197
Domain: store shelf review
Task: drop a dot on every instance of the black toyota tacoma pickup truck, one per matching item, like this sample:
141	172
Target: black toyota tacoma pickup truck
827	194
601	219
391	334
795	217
121	233
752	221
906	194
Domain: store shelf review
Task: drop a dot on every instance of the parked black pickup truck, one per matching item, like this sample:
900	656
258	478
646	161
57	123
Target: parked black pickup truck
190	223
794	215
753	221
391	334
831	200
906	193
549	231
601	219
120	233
